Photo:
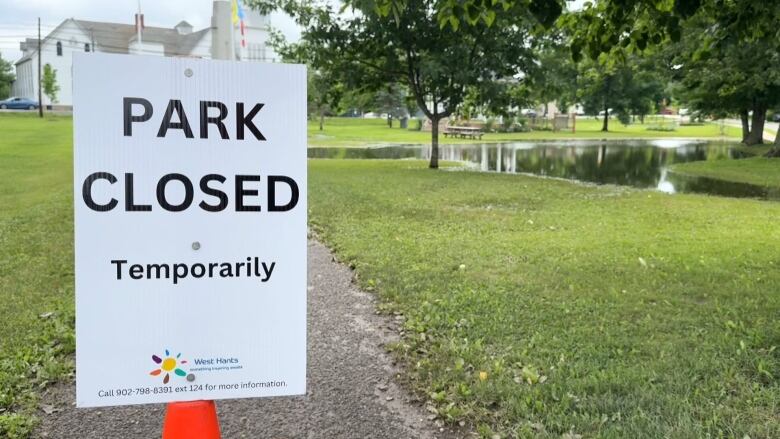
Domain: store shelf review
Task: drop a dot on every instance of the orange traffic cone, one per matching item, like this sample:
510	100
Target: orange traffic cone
191	420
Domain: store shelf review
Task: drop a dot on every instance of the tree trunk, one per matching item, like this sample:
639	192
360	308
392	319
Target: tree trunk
775	151
605	126
322	118
743	115
756	136
434	164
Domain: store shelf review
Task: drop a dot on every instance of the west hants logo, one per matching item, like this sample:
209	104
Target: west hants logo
168	365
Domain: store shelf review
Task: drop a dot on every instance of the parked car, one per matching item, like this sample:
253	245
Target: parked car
14	103
776	117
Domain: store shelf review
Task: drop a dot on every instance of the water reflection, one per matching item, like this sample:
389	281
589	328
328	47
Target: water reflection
642	164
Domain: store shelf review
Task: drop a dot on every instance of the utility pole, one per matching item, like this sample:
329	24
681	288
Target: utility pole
232	41
40	54
221	39
139	24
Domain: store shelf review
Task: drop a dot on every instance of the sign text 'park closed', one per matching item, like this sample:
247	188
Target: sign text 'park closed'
190	211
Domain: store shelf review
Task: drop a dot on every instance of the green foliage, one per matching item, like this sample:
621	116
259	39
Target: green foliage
624	86
324	92
454	13
6	78
605	25
556	78
49	80
473	12
490	124
540	308
725	78
385	42
15	426
391	100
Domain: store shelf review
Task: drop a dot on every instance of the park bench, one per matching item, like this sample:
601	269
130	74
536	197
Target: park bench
463	132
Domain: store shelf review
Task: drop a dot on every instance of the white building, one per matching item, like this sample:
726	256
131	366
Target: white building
74	35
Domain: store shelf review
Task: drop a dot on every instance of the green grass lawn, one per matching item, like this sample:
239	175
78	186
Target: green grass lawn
343	132
36	263
533	307
537	308
755	170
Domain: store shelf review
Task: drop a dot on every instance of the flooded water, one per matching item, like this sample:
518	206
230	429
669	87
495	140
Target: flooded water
643	164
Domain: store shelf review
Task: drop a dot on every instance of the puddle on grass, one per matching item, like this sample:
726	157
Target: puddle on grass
643	164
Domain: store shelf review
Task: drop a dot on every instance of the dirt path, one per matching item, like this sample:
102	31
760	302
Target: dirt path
352	392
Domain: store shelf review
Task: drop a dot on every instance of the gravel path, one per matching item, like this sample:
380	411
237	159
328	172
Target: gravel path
352	391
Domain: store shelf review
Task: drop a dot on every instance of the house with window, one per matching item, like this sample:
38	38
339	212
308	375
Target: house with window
74	35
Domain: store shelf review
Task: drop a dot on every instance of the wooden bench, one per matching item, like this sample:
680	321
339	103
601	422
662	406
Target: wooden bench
463	132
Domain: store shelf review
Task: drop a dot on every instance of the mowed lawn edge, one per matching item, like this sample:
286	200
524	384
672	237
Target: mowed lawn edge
538	308
759	171
36	264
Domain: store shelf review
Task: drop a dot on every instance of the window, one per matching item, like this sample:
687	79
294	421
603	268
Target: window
59	48
86	47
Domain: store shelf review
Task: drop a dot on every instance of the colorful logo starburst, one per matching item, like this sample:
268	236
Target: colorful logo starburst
167	365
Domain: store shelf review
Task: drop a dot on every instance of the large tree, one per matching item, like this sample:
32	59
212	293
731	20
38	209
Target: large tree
373	43
323	95
391	100
323	91
623	85
49	80
555	79
733	76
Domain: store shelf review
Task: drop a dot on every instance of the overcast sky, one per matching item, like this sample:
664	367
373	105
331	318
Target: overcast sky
18	18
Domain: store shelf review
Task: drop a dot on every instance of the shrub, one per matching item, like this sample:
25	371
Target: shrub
522	120
666	128
489	123
506	124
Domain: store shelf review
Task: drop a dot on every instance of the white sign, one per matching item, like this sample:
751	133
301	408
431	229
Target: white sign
190	204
